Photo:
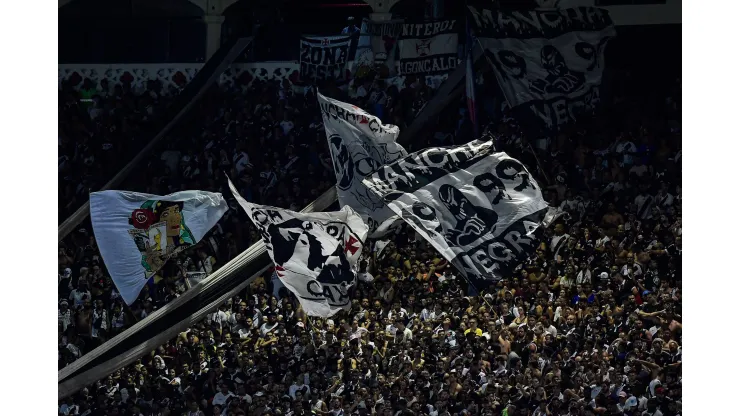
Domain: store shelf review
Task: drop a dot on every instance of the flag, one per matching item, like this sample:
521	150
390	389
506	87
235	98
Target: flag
315	254
324	58
359	144
470	79
479	208
137	233
548	62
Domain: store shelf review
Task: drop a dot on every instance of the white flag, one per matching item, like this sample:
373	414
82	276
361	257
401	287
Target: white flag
479	208
137	233
314	253
548	62
360	143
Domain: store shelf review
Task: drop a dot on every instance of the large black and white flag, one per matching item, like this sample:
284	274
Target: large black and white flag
315	254
549	63
324	58
428	48
479	208
360	143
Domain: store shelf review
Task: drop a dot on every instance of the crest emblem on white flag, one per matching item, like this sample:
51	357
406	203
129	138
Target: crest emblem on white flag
315	254
479	208
360	144
137	233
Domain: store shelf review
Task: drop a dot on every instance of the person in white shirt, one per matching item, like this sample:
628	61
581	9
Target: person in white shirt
426	314
78	296
356	330
222	396
573	204
117	319
219	317
270	325
664	199
559	240
568	280
99	320
298	385
626	402
549	328
241	391
205	262
65	315
391	328
602	240
407	334
644	203
626	148
656	382
364	275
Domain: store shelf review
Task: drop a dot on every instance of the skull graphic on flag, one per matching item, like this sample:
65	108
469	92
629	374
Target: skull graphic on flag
423	46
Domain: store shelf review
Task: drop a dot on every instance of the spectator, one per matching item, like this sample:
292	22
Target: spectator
589	324
351	28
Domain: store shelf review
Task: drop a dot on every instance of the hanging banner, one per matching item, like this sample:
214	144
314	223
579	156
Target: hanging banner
377	46
324	58
428	48
548	63
383	37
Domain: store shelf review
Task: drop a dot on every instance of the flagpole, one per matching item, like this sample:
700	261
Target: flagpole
539	165
470	77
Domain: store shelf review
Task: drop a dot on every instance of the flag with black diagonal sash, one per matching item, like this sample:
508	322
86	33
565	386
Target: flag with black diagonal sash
315	254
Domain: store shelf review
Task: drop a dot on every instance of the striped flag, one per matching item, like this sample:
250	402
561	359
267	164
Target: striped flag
470	79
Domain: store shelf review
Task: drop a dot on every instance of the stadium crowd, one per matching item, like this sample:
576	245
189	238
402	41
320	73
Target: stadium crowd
289	142
590	324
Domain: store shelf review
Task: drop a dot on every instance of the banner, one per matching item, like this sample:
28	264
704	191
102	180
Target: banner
359	144
137	233
377	47
383	37
428	48
547	62
314	253
324	58
480	209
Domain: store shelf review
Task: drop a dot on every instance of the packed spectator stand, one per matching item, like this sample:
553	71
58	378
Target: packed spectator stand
590	325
